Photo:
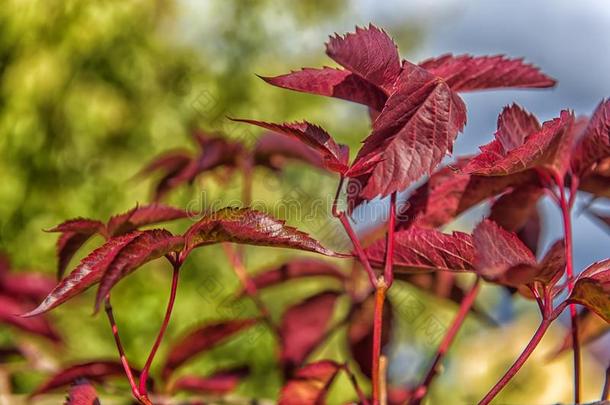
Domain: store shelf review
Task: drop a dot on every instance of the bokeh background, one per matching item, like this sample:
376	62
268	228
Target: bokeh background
90	91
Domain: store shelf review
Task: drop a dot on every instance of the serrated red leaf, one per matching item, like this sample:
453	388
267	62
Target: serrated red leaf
548	149
201	340
142	216
449	192
360	332
592	289
423	250
501	257
248	226
147	246
10	310
467	73
513	210
594	144
410	137
296	269
335	156
274	151
497	250
368	52
310	384
220	383
87	273
74	233
79	225
98	371
332	82
303	327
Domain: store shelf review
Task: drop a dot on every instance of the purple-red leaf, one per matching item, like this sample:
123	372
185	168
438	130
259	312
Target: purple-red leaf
82	393
247	226
10	310
200	340
449	192
500	256
142	216
335	156
303	328
26	286
420	249
513	210
147	246
549	148
220	383
273	151
87	273
410	137
332	82
295	269
370	53
97	371
590	328
171	164
594	144
360	332
310	384
467	73
592	289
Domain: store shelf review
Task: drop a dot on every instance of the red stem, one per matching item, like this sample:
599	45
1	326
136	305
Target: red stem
115	332
457	323
352	377
388	272
380	291
358	247
168	314
518	363
565	206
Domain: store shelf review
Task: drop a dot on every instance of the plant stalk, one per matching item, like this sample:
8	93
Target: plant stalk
457	323
544	325
388	272
168	313
380	292
115	332
565	206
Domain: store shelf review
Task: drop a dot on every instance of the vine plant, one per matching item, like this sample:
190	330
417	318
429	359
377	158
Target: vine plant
417	113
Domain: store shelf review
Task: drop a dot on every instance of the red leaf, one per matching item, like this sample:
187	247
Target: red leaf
594	144
247	226
513	210
26	286
74	233
303	328
501	257
171	164
420	249
497	250
98	371
335	156
10	308
592	289
332	82
368	52
141	216
547	149
467	73
310	384
412	134
220	383
82	393
295	269
273	151
449	192
147	246
360	332
201	340
87	273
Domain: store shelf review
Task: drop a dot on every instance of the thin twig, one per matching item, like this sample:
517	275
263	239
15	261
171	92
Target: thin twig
380	291
352	377
388	272
358	247
383	381
166	319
